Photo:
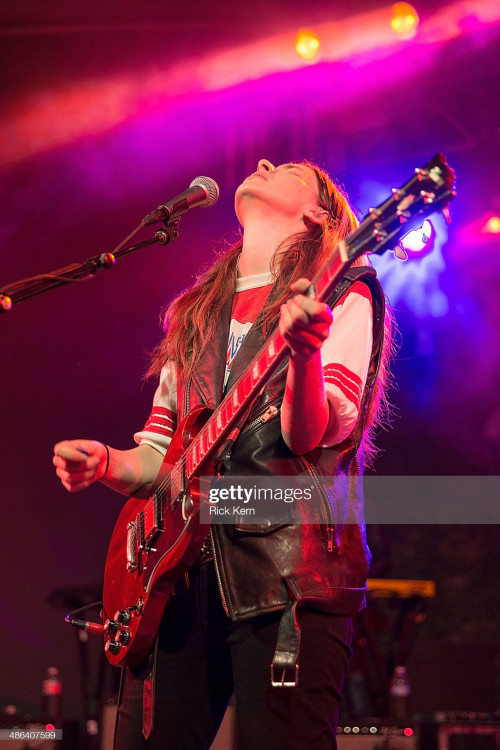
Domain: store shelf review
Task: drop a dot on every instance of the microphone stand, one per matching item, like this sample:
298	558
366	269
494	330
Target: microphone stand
19	291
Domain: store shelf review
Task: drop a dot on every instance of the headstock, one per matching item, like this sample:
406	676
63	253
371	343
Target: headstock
430	189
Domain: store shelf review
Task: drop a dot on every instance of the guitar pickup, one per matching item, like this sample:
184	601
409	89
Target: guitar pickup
131	548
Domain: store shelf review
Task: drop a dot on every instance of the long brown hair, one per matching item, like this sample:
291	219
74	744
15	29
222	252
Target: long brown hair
193	317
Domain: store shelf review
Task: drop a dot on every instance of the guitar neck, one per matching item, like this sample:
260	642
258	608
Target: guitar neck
257	374
429	189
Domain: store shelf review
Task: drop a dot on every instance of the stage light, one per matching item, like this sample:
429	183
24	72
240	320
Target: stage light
492	226
408	732
418	242
307	45
404	21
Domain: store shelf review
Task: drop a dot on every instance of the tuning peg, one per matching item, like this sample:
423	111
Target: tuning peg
428	196
422	174
379	235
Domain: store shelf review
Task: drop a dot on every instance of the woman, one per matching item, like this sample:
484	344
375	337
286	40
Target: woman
257	594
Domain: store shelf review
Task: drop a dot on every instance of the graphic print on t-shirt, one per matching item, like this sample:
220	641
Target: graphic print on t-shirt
345	357
246	306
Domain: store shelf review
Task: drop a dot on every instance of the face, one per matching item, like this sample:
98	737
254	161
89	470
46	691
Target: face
290	191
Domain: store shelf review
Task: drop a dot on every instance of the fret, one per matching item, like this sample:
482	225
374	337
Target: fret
199	450
195	452
234	398
214	431
255	372
247	383
322	285
267	357
241	390
218	421
208	436
329	271
191	471
271	346
324	281
226	412
202	438
208	429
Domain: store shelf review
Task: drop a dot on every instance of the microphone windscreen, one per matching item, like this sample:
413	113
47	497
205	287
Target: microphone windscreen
210	186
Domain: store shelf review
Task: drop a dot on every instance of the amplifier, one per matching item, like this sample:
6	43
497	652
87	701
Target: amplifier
468	736
375	738
455	730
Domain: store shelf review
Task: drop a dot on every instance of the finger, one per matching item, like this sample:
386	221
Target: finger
296	312
75	477
303	339
286	321
75	466
300	286
318	333
296	335
70	451
296	320
77	487
314	310
74	450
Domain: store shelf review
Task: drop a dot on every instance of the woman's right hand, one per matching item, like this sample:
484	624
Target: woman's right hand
80	463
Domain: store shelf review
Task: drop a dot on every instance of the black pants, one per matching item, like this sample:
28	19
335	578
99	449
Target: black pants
203	658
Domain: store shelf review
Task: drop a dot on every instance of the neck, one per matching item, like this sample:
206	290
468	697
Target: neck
261	239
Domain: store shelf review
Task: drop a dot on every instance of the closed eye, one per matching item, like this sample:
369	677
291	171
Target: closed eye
298	170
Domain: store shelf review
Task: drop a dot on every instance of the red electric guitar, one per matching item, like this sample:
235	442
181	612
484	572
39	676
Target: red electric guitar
156	540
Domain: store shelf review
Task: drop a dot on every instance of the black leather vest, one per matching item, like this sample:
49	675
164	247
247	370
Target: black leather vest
263	567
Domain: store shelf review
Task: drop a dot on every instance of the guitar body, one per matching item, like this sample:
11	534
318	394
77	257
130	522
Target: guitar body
153	543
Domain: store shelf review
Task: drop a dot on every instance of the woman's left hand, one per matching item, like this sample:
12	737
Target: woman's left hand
304	322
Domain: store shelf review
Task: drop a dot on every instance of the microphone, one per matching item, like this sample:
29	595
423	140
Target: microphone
203	191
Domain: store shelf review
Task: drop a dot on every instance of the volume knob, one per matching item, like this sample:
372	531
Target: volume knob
113	647
123	616
124	637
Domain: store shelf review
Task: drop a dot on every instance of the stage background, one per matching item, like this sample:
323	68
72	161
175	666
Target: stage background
110	109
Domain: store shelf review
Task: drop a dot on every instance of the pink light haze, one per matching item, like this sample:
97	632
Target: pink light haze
50	118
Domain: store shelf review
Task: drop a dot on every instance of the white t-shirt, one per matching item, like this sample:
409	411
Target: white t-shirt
345	356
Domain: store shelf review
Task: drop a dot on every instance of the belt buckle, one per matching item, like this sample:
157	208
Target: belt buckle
283	682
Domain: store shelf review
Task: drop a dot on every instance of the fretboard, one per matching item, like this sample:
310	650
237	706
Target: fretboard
255	377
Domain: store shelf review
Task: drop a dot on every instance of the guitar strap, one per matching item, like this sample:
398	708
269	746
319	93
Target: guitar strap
146	674
285	666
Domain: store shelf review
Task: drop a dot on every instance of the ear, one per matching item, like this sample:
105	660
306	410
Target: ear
316	214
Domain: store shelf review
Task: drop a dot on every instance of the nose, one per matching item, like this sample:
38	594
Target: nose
265	166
